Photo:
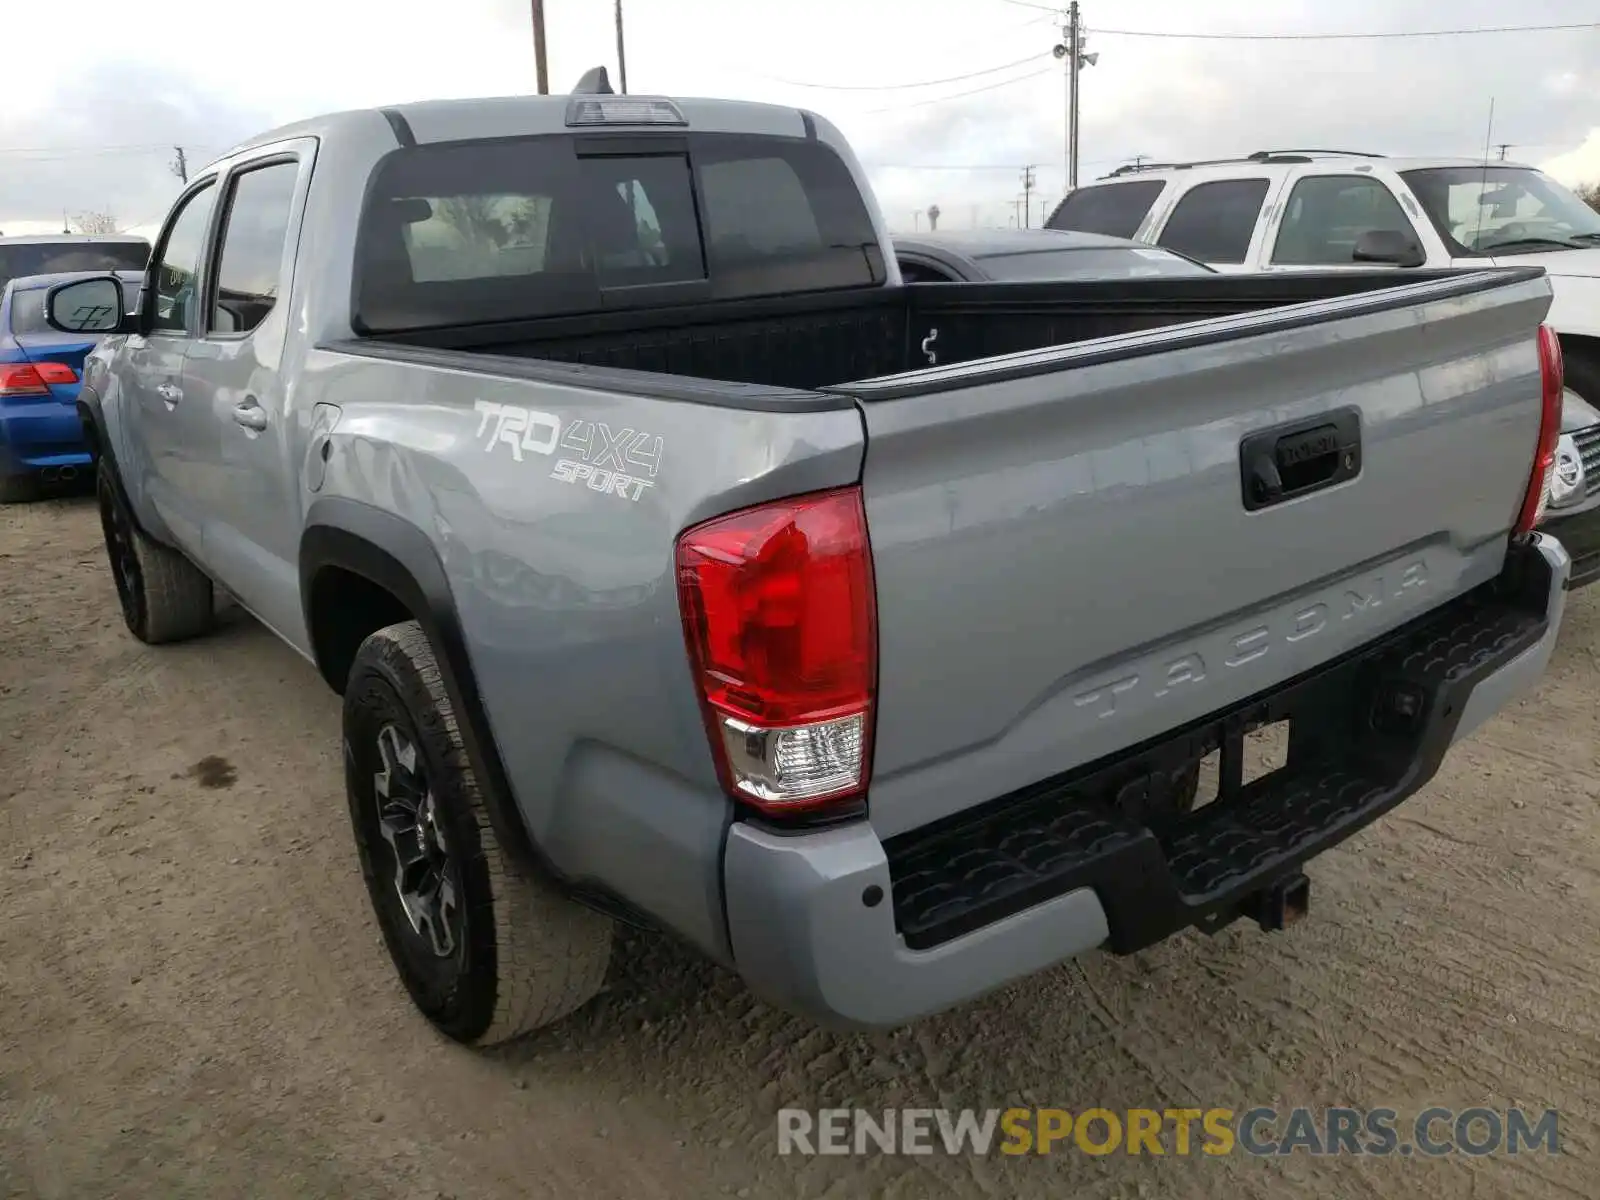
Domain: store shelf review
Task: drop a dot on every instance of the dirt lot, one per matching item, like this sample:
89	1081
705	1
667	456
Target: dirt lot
194	1000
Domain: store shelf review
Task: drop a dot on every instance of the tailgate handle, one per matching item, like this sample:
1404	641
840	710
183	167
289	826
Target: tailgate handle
1294	460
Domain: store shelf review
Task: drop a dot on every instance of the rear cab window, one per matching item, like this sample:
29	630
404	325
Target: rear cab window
1114	209
476	232
1215	221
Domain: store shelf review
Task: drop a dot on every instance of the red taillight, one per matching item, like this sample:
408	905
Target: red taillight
1551	384
33	379
779	613
56	372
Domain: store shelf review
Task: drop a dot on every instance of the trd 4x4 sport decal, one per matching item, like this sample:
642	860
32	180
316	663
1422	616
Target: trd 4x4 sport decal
621	462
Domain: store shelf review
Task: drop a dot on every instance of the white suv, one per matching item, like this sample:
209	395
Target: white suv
1298	210
1320	210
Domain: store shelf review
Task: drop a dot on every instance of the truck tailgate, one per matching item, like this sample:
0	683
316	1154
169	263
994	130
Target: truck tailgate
1067	564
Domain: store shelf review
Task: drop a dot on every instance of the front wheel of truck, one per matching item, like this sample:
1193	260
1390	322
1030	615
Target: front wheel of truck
486	951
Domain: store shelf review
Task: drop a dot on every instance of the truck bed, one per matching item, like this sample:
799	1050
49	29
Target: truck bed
1062	508
820	341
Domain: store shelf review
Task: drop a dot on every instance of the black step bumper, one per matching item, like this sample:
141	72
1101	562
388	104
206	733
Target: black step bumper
1365	732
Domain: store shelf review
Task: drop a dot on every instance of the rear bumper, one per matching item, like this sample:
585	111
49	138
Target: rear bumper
858	932
39	433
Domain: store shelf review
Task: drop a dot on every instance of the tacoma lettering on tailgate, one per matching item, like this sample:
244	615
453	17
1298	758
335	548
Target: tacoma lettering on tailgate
1365	598
621	462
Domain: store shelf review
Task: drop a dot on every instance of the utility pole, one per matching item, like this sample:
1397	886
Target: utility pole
622	58
1072	94
1071	49
1027	195
538	48
933	218
1504	146
180	167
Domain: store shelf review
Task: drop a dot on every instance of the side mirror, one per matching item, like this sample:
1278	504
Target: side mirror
1388	246
410	210
87	306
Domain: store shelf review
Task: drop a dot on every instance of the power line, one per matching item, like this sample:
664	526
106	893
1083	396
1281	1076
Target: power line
896	87
886	166
875	165
1320	37
85	151
1343	37
958	95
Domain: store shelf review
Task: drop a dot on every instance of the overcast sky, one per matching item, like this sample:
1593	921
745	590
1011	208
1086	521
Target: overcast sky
90	121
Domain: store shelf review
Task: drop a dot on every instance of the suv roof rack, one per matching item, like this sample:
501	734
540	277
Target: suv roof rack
1268	155
1260	156
1136	168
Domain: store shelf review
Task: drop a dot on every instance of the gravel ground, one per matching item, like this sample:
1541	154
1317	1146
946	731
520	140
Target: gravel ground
196	1002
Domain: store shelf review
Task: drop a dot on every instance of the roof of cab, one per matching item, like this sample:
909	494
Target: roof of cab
524	116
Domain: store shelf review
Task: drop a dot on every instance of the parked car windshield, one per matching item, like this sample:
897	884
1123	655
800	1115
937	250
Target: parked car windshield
1502	210
1091	262
52	258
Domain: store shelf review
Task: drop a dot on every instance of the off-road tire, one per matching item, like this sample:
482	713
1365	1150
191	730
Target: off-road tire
18	489
164	596
527	955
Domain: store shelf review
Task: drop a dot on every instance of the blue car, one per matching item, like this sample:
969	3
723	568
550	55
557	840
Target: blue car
41	439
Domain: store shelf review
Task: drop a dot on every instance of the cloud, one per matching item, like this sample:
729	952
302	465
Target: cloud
1580	166
1185	100
103	141
245	68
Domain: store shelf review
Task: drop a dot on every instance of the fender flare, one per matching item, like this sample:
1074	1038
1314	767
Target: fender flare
394	554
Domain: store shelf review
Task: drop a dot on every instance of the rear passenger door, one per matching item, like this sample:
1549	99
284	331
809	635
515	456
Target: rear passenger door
235	373
1218	221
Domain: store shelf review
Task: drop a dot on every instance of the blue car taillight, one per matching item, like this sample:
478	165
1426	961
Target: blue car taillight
33	379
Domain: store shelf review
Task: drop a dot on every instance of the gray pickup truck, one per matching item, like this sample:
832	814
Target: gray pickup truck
679	565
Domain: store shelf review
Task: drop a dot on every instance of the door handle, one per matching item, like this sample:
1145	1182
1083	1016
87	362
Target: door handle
251	415
170	392
1300	458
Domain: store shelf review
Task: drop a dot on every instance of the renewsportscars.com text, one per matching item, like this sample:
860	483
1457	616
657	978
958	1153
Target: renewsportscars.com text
1179	1132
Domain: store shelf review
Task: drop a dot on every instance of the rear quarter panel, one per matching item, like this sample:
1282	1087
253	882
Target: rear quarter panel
564	581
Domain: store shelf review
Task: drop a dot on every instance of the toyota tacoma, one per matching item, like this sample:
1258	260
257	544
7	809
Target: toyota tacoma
679	565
